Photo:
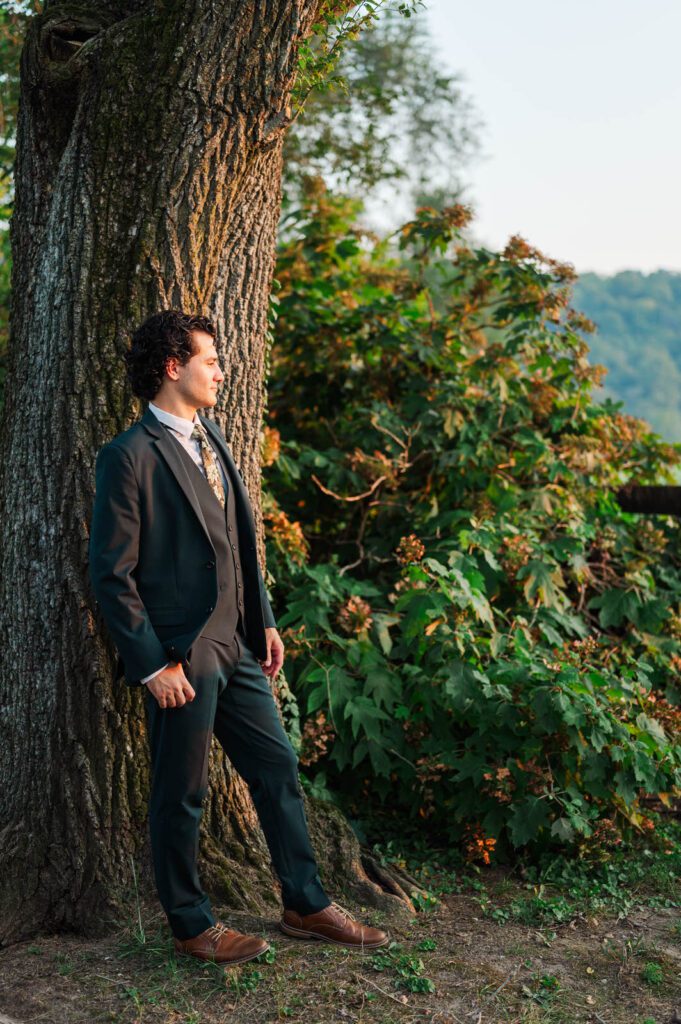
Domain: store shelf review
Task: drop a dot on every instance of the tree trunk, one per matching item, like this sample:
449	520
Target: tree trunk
147	176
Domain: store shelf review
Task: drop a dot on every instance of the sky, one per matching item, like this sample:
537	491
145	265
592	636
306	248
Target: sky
581	105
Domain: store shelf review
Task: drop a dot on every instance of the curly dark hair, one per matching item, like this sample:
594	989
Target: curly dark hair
161	335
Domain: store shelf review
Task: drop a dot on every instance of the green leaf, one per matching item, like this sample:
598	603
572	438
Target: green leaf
625	786
653	727
468	595
383	687
615	606
563	830
544	582
317	698
382	625
491	559
364	714
360	751
380	762
461	686
527	820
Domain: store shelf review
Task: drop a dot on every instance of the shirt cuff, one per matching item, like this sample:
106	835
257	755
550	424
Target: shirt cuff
147	678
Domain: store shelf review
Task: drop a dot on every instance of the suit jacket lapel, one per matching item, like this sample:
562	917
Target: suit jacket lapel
167	446
168	449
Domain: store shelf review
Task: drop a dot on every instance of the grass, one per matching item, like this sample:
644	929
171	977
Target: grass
557	943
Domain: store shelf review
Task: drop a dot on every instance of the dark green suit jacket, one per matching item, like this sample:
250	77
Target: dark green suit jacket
152	564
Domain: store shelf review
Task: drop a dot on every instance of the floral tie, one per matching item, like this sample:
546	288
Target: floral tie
209	462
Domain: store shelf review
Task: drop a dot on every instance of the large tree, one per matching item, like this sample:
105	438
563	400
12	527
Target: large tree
148	171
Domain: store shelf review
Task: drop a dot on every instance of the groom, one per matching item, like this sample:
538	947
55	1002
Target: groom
174	569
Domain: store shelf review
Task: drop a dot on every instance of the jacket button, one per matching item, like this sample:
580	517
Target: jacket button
210	565
210	609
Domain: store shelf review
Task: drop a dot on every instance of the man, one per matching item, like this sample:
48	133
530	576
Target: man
174	569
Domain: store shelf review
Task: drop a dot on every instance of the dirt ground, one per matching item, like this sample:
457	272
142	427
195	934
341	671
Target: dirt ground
452	964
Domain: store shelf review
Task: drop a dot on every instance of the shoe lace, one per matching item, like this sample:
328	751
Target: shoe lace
346	913
218	929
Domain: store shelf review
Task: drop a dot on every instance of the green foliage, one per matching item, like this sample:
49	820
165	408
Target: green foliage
555	889
652	974
247	981
373	105
407	969
543	989
477	636
319	53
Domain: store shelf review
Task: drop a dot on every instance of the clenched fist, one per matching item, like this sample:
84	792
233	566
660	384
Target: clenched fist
171	688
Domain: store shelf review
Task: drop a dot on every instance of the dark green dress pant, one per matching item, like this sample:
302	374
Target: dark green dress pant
234	701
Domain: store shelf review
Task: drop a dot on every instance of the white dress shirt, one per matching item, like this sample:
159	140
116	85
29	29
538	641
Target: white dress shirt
181	429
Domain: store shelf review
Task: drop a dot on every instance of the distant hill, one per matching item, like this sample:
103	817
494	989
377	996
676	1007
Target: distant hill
639	341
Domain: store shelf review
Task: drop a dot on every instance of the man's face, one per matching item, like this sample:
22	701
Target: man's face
199	379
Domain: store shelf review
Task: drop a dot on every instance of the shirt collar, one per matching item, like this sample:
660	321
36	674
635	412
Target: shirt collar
178	423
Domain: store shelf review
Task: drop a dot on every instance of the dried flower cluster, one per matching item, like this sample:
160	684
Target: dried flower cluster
477	845
516	552
410	549
316	738
518	250
355	616
288	535
542	398
415	731
578	653
270	446
403	585
500	784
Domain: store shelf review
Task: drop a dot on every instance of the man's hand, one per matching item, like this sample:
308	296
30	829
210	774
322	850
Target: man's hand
171	688
275	652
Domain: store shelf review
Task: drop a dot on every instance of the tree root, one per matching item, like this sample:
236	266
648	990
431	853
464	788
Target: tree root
347	869
393	879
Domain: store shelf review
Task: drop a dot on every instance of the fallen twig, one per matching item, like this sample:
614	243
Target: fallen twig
368	981
504	983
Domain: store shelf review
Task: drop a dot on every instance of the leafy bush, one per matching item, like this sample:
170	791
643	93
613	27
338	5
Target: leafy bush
477	635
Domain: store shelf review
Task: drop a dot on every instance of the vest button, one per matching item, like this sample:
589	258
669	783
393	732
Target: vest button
229	527
210	609
238	584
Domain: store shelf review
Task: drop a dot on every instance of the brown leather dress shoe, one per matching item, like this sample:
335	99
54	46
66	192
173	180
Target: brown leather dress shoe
222	945
333	924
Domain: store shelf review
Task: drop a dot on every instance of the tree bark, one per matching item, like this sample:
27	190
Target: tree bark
147	176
